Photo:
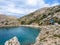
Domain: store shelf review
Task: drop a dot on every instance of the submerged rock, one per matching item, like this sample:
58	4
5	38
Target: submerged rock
13	41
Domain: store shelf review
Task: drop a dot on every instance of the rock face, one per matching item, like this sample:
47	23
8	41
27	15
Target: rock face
13	41
49	35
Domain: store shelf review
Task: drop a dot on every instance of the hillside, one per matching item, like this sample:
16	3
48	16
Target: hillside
8	20
43	16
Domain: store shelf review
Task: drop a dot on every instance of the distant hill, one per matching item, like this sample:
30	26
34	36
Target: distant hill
43	16
8	20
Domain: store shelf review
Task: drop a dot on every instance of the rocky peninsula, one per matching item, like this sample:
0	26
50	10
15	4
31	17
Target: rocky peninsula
13	41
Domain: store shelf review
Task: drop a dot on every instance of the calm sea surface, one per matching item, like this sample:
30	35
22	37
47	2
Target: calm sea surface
25	35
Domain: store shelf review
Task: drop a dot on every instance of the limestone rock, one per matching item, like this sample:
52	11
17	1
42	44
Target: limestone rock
49	35
13	41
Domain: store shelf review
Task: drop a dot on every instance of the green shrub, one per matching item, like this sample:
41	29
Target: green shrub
47	32
42	39
56	35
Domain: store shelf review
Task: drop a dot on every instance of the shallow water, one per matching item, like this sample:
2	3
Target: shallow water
25	35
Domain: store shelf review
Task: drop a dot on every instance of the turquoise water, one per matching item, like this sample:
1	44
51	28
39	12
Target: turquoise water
25	35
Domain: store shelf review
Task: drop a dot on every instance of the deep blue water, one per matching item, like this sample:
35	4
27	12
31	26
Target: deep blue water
25	35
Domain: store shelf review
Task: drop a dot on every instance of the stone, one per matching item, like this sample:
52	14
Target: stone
13	41
49	35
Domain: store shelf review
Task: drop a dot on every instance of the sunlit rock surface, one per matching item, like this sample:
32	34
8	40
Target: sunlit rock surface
49	35
13	41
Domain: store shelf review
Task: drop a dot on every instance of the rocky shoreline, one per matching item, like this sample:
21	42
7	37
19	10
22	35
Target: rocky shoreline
8	26
49	35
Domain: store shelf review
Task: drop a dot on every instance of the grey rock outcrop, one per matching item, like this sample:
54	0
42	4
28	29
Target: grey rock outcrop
13	41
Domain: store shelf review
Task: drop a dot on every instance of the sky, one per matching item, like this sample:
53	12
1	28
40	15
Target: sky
23	7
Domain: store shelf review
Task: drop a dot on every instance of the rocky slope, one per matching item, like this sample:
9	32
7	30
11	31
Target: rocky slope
49	35
8	20
42	16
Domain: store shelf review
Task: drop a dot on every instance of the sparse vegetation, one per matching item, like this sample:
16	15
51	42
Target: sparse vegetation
40	17
47	32
55	35
8	20
42	39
